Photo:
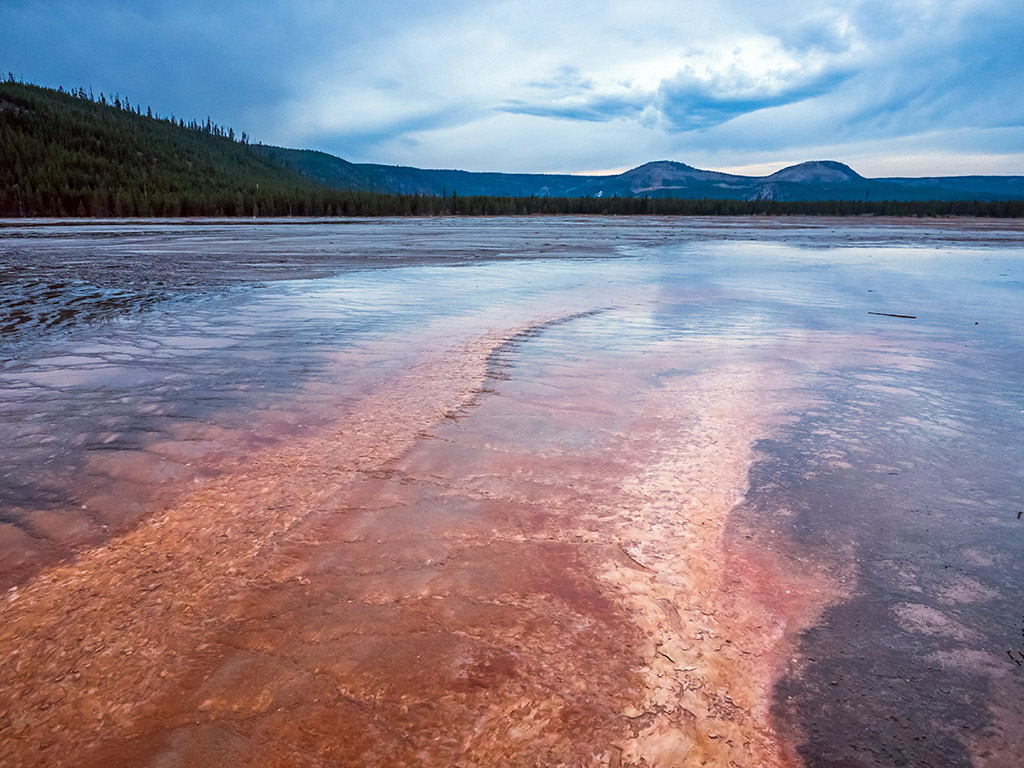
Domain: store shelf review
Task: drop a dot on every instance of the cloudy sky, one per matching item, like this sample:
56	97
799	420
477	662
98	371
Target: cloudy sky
892	87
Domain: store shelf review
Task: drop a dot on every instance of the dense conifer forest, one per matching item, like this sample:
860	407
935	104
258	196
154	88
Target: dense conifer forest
77	154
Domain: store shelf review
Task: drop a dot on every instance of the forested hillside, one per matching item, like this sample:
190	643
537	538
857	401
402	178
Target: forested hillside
64	154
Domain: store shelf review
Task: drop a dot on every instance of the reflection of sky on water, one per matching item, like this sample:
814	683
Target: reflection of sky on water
166	373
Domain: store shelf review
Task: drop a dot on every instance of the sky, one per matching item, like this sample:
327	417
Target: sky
890	87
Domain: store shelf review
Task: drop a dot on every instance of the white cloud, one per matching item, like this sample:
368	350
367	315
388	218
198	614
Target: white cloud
566	85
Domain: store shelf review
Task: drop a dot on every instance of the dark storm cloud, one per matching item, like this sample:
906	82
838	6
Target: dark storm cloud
597	108
693	103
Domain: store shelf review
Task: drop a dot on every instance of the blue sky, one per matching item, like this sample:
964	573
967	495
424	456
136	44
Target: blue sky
900	87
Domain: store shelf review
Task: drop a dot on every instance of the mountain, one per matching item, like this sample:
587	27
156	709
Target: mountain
817	172
814	180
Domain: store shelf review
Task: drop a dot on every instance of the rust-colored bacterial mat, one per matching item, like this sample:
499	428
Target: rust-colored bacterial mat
512	492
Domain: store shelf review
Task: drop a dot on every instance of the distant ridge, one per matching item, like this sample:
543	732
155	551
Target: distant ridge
813	180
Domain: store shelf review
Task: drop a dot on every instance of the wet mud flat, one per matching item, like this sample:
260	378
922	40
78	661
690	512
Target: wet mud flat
667	495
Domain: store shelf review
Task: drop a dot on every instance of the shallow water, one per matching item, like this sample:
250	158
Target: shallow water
888	469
